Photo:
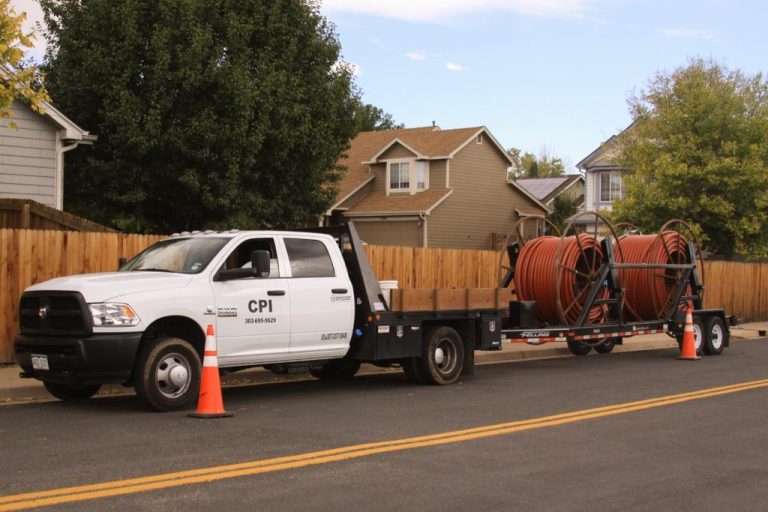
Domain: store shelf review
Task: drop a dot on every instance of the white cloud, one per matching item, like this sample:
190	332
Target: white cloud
687	33
416	56
354	68
452	66
441	10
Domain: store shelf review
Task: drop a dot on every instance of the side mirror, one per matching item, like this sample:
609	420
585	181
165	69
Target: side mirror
260	263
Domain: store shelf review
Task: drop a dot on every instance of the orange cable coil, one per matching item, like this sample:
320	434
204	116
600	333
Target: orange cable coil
537	273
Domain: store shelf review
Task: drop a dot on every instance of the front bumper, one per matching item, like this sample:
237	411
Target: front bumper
97	359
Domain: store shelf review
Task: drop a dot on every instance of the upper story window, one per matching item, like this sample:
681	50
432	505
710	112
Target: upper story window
421	175
479	138
610	186
408	176
309	258
399	176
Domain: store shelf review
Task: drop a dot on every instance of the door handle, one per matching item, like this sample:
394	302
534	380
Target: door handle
339	290
276	292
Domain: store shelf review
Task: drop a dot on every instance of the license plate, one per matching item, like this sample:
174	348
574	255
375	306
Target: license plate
39	362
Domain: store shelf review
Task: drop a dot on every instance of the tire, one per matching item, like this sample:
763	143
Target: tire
442	356
167	375
578	348
606	346
70	393
698	336
716	335
336	370
412	369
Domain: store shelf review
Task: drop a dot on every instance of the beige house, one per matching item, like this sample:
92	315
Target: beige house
32	154
429	187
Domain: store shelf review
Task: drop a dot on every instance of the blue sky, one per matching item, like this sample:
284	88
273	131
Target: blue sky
549	74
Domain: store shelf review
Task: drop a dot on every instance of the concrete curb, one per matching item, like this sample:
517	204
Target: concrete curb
16	391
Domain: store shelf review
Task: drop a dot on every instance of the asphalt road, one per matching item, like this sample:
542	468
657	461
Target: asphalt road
708	453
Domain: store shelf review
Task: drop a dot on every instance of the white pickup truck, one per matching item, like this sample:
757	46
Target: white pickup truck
278	299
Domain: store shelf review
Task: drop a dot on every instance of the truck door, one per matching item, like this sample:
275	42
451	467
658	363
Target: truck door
253	313
322	299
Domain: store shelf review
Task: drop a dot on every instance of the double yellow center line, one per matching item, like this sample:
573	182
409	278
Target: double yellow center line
203	475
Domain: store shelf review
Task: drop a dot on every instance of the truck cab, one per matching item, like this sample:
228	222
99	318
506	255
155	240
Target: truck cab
273	297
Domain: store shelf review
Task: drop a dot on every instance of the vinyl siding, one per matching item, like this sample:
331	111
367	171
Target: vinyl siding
380	183
482	202
396	151
27	157
437	173
404	233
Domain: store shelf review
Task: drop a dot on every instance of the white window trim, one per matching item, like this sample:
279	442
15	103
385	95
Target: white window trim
412	175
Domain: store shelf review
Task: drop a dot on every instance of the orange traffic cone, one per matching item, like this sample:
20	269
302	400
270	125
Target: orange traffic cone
688	350
210	404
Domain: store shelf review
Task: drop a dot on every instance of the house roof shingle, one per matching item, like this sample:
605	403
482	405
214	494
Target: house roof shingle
380	202
546	189
428	141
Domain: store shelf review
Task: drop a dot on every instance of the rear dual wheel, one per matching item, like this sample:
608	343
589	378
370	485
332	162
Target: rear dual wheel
441	361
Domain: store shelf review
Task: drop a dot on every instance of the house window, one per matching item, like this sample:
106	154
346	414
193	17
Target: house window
421	175
479	138
610	186
399	176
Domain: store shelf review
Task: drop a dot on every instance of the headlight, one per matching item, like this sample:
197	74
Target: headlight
113	315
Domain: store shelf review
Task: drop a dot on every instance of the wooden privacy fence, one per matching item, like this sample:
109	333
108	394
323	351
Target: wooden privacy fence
32	256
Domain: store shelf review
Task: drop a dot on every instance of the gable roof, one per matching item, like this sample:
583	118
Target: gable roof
546	189
602	151
427	143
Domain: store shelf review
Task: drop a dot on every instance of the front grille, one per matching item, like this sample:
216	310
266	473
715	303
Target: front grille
55	313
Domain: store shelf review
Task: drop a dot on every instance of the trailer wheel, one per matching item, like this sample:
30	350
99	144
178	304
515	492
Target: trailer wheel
698	336
336	370
442	356
167	375
578	348
412	369
605	346
715	336
70	393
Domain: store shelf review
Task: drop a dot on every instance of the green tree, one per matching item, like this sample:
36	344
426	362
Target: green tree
209	113
529	165
369	118
17	80
563	208
699	152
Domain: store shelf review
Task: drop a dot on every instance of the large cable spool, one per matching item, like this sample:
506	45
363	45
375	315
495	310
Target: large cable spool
650	292
559	272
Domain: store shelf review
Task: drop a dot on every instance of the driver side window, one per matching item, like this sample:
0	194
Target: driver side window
241	256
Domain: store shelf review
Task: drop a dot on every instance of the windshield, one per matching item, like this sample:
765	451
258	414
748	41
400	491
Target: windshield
184	255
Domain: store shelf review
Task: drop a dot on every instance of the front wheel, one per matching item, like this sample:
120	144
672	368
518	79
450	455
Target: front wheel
167	375
442	356
70	393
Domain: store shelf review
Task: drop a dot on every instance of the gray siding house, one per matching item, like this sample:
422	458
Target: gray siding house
32	153
604	177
